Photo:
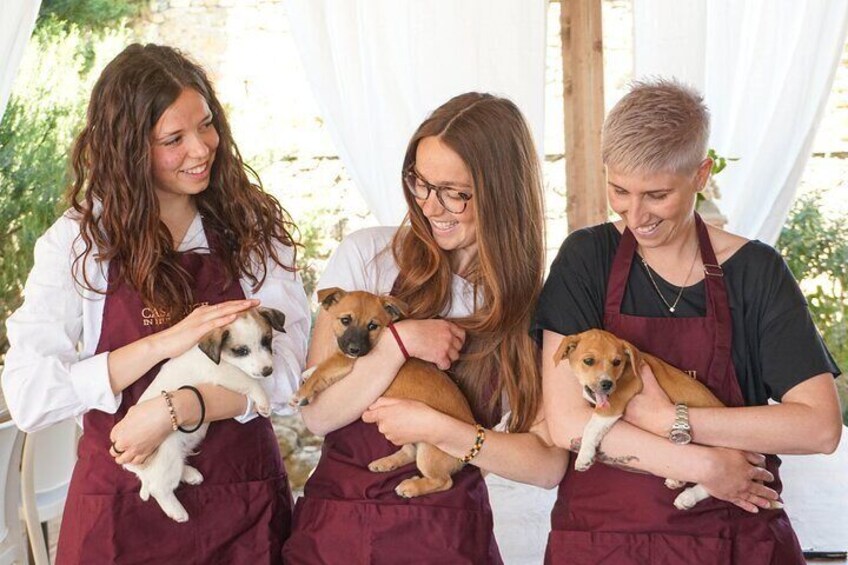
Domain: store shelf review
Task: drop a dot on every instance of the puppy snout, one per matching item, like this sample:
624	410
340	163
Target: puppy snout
606	385
266	371
353	349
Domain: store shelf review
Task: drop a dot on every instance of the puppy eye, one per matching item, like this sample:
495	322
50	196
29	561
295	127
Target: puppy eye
588	361
372	326
266	342
616	362
241	351
345	320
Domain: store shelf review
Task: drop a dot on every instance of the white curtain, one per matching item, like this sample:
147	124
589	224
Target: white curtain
17	19
379	67
766	68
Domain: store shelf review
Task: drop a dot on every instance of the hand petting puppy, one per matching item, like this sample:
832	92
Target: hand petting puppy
403	421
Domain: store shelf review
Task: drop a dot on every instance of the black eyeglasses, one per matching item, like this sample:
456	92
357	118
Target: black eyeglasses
453	200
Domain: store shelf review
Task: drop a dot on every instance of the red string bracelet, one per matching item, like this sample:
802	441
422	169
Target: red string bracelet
399	342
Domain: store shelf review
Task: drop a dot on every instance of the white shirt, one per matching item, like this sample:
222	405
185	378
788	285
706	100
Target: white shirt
51	370
364	261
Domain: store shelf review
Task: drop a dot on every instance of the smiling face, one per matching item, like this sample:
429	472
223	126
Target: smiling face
440	165
183	142
657	207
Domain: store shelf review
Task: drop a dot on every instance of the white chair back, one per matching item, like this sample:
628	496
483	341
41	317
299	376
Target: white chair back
12	540
49	456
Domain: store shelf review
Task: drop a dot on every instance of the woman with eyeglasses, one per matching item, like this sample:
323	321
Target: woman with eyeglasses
468	262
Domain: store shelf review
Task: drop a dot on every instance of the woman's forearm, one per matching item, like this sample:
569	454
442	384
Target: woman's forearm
807	421
346	400
219	403
522	457
129	363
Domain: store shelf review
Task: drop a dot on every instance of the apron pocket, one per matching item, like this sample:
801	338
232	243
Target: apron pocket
340	531
591	548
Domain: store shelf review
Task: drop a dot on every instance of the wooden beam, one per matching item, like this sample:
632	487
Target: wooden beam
583	96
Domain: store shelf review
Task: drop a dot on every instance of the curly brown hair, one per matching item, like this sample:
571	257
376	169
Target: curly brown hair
113	196
492	138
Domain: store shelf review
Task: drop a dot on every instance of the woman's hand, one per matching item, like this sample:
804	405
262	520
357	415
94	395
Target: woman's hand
436	341
403	421
184	335
651	409
737	476
140	432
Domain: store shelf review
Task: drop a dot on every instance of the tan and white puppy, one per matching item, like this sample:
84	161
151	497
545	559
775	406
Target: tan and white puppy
358	320
235	357
608	369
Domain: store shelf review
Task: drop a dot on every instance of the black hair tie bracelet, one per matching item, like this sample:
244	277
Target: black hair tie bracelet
202	410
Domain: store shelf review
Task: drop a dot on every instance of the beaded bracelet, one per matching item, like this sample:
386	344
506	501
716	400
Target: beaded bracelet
478	444
202	410
169	401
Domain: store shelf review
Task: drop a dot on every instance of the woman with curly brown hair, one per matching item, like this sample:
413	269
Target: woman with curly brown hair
167	238
471	251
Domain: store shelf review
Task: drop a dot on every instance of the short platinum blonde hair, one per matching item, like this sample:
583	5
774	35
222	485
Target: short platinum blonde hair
661	125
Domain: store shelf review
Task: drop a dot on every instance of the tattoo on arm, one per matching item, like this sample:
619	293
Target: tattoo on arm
623	462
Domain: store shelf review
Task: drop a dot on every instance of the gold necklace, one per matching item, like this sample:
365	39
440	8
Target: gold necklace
672	306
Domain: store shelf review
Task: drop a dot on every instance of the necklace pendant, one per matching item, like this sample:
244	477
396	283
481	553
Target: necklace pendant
671	309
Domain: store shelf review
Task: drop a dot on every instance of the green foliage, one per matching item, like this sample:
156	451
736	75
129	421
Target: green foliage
44	113
90	15
816	249
719	162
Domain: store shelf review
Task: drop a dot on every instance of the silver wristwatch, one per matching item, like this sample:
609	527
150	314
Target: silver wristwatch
681	432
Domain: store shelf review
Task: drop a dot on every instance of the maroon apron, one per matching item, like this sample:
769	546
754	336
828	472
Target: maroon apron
348	514
608	515
241	513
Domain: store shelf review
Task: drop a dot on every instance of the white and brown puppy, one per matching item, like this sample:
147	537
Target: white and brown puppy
235	357
608	369
358	320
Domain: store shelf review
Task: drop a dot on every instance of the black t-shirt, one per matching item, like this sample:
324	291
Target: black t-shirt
775	342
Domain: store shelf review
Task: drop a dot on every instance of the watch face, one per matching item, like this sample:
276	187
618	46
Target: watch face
680	437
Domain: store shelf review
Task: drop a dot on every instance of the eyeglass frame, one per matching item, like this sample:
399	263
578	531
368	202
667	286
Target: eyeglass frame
464	196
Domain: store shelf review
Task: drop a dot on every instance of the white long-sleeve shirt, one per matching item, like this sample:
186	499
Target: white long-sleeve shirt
51	371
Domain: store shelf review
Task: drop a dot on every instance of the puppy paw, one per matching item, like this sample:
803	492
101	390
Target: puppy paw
191	476
304	376
381	466
775	505
263	410
179	516
674	484
582	463
684	502
408	488
296	401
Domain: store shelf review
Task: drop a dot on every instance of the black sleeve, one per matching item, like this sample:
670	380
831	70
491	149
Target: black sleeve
791	348
572	299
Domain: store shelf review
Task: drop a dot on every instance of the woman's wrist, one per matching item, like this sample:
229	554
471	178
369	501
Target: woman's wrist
186	408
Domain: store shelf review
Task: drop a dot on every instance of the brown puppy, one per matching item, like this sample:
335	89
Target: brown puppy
359	319
608	369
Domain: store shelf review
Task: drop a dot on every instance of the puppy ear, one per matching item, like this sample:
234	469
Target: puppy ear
396	308
633	355
274	317
213	342
566	346
329	296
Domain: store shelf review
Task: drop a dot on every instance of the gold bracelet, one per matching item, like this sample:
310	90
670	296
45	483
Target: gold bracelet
478	444
170	402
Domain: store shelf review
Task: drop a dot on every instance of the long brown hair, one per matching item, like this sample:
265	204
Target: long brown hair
113	193
492	138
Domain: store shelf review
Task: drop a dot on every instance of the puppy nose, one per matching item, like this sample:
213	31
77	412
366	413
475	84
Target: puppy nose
606	386
354	349
266	371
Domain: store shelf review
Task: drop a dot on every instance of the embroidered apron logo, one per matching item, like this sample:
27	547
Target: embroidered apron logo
161	316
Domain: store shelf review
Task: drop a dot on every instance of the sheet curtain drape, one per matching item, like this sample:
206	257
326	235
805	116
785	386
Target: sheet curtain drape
17	20
378	67
766	68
